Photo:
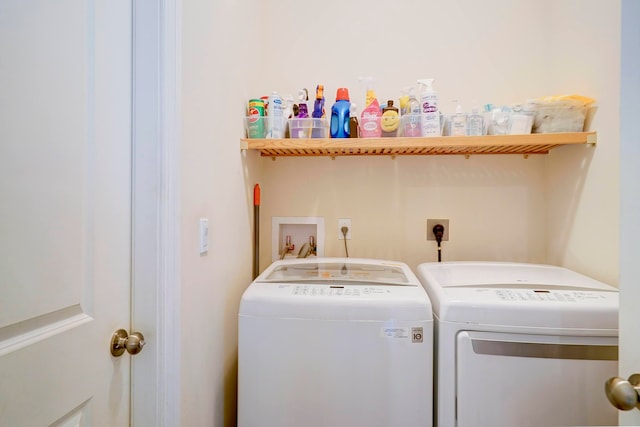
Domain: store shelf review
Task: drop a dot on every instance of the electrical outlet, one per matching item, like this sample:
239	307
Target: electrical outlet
344	222
433	222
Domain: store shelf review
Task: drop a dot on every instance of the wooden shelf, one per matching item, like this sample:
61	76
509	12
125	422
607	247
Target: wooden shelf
538	143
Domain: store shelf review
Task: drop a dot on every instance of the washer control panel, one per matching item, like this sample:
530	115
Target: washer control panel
339	290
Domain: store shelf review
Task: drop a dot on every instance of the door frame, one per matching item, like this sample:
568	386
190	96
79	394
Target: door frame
155	295
629	205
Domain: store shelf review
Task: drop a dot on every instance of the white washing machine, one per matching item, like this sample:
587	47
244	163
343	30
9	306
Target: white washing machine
521	345
332	342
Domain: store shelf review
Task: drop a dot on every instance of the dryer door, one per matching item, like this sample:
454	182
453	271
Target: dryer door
533	380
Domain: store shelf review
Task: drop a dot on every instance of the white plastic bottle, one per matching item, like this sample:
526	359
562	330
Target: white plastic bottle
475	123
429	112
411	115
458	122
275	118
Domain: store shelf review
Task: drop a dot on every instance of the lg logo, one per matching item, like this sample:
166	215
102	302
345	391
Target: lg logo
417	334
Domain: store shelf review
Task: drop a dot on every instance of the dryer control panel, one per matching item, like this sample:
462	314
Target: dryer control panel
530	307
546	295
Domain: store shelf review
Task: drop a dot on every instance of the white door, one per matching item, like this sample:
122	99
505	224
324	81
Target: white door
65	211
629	195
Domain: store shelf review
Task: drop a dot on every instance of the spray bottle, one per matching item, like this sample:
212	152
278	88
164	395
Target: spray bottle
303	97
429	113
287	113
318	110
370	117
340	114
411	115
404	99
318	105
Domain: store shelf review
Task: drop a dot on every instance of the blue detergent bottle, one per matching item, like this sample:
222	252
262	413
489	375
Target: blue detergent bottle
340	114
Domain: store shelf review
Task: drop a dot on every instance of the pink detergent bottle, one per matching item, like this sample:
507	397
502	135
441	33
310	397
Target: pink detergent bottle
370	117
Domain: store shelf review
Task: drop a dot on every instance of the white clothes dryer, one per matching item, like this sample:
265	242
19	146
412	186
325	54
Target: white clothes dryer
521	345
335	342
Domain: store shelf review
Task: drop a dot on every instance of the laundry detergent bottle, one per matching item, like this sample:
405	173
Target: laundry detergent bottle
340	114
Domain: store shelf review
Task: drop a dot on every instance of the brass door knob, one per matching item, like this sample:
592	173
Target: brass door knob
121	341
624	394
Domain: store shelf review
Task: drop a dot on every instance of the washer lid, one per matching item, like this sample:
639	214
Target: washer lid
343	270
337	289
521	296
507	275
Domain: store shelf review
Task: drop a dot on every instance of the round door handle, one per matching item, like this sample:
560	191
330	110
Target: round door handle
624	394
121	341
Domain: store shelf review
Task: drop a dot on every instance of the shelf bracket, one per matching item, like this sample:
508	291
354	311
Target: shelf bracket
592	139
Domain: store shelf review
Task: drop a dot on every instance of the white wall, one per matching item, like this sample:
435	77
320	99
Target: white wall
214	185
583	184
496	205
500	207
543	209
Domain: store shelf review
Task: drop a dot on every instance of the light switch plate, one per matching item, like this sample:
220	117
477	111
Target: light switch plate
204	236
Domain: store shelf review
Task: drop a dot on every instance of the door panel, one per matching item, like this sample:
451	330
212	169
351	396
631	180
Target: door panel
65	216
533	380
42	201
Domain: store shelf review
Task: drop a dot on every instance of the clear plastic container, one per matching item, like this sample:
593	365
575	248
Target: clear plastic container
410	125
563	113
521	122
563	118
308	128
255	126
